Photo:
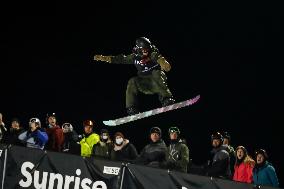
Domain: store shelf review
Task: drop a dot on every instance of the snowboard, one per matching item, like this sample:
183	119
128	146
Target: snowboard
142	115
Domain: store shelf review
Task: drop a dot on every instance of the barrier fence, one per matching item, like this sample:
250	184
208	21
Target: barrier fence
32	168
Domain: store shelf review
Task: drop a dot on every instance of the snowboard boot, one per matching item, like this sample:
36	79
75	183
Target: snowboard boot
132	110
167	101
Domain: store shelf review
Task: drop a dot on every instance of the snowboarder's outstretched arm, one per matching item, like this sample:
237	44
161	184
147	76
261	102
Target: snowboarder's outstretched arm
119	59
129	59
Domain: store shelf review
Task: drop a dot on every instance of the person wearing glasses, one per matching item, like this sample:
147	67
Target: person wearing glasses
178	152
35	136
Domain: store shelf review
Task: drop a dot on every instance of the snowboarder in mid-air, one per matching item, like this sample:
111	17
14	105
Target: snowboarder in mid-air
151	77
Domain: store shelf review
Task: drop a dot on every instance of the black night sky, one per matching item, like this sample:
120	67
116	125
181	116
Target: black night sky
226	52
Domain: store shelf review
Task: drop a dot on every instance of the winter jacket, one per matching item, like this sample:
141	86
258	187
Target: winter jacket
56	139
102	149
153	154
87	144
35	139
125	152
243	172
220	166
177	156
70	144
265	175
12	137
144	66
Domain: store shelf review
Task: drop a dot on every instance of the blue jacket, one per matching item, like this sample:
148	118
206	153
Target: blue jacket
265	175
36	139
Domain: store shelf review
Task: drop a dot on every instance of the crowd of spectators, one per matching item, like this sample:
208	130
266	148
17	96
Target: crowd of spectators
227	162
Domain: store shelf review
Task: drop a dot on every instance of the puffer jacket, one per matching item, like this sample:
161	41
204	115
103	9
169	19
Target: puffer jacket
265	175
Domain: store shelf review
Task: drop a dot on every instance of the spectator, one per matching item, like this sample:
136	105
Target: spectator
55	134
71	139
154	153
220	164
227	142
102	149
35	136
89	139
3	129
122	149
263	172
14	132
243	166
184	141
178	153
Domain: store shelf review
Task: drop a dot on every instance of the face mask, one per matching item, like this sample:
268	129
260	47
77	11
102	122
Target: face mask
105	137
119	141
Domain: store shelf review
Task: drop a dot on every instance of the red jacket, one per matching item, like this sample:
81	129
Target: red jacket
55	139
243	172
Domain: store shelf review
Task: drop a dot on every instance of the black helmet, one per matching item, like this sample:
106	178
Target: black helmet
217	135
142	43
156	130
263	152
174	130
